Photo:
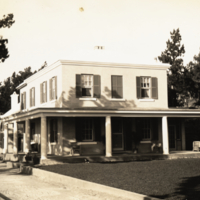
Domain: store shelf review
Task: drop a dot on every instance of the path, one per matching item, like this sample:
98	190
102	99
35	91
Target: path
15	186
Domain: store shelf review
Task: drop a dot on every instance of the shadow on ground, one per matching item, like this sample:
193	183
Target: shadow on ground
4	197
189	188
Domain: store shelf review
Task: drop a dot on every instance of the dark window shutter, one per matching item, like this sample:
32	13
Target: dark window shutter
114	86
46	91
56	87
30	97
154	89
50	89
24	100
78	123
97	86
154	132
33	97
41	93
97	128
127	133
56	130
138	83
78	86
51	131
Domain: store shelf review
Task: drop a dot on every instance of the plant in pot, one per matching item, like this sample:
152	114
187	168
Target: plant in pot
136	138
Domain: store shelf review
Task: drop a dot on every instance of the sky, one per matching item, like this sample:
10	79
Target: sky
131	31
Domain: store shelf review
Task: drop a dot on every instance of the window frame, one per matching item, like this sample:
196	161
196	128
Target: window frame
112	86
54	123
145	88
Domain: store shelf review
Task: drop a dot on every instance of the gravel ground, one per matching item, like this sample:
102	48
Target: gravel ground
165	179
16	186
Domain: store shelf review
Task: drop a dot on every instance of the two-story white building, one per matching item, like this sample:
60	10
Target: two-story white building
96	106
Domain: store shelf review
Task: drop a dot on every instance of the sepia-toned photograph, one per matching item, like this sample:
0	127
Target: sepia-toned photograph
99	99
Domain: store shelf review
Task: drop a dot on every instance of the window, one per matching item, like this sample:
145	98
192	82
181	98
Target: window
53	88
146	129
147	87
88	86
43	92
23	101
32	97
87	129
117	91
53	130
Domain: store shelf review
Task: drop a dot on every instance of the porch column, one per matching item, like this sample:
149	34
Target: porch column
183	134
27	136
43	138
5	139
165	135
108	137
15	138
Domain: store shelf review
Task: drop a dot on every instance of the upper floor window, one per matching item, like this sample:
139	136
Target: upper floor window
53	88
32	97
43	92
117	90
88	86
147	87
23	101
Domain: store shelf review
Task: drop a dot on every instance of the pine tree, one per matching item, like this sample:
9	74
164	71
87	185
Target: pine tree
177	73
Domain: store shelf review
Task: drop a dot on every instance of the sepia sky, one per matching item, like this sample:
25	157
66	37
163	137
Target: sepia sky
132	31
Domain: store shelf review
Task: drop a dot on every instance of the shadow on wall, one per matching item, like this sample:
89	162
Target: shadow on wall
105	101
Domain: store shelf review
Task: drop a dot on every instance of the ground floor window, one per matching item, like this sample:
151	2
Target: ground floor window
53	130
146	129
87	129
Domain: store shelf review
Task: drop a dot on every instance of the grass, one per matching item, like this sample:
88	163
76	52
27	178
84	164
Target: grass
165	179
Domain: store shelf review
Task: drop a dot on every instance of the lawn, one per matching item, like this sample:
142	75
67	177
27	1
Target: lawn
165	179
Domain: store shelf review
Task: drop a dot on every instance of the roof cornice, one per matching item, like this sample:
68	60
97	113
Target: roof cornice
92	64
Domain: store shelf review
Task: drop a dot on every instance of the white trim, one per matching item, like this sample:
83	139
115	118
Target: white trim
88	99
145	141
143	100
117	99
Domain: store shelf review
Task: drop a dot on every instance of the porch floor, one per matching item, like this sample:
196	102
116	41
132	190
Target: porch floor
120	157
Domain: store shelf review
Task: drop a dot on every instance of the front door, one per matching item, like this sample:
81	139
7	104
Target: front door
172	137
117	134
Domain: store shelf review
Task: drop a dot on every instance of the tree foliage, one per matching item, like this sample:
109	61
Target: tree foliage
9	86
6	22
178	74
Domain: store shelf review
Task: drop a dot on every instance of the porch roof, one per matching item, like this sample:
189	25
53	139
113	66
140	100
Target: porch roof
102	112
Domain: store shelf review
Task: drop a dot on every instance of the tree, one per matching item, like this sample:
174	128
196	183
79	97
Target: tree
194	68
177	73
7	21
9	86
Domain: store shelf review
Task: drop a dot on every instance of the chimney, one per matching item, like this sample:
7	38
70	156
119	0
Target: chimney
14	100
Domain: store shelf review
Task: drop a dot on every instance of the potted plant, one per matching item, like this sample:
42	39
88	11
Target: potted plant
136	138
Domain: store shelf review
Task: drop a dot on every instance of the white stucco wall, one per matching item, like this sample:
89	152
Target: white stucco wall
129	87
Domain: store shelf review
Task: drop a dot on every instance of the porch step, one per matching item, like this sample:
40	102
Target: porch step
117	158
